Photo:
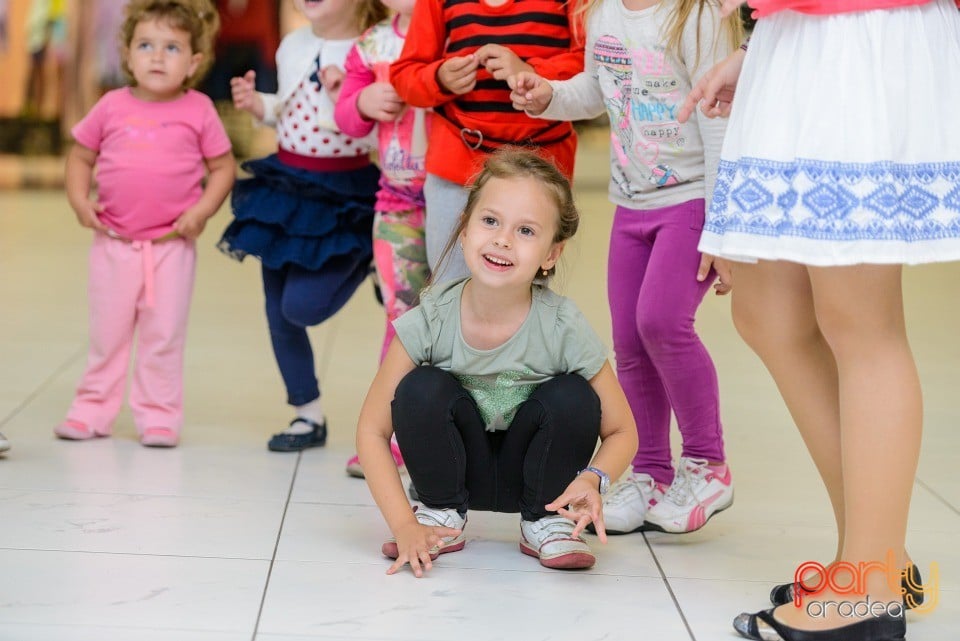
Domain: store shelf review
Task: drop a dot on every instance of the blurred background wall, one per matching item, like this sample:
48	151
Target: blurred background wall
57	57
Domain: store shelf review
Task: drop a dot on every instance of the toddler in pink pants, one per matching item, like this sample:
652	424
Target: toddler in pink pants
151	144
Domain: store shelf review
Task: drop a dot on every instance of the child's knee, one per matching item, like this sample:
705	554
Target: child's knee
425	382
568	395
660	330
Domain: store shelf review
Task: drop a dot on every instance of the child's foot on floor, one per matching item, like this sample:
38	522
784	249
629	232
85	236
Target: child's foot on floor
72	430
698	491
625	507
551	540
301	434
159	437
434	517
355	470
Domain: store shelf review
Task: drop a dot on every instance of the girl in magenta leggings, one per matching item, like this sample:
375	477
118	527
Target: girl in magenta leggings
639	64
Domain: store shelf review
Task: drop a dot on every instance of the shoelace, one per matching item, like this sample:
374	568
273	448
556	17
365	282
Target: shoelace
681	491
623	491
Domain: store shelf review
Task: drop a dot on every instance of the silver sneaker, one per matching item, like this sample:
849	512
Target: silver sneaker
551	540
434	517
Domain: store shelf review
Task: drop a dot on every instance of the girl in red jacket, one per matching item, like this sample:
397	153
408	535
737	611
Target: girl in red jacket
456	59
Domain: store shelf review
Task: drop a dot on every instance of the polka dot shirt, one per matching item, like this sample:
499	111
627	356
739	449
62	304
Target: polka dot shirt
306	125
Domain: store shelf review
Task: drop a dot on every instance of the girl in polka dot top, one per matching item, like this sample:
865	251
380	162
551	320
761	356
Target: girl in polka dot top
306	211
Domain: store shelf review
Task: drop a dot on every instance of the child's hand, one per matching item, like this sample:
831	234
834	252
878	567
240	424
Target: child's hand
581	503
190	224
414	542
88	215
458	75
331	77
724	273
245	96
715	89
500	62
530	92
380	101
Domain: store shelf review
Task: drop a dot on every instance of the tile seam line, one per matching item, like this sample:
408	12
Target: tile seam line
950	506
276	546
139	555
77	354
666	583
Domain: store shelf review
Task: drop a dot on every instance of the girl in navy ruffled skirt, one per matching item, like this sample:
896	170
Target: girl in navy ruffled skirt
307	211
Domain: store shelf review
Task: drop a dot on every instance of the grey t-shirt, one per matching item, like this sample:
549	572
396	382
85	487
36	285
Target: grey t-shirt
554	339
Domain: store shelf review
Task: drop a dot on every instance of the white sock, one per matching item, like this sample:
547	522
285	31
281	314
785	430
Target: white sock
312	410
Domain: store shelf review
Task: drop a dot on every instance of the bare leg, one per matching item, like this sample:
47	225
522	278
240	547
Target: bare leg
860	312
773	311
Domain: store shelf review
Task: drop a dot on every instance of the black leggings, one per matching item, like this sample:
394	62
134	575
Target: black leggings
455	463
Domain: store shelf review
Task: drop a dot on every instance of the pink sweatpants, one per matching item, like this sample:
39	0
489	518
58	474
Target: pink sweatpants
143	289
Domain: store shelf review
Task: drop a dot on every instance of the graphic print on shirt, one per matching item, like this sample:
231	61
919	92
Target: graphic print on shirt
144	134
498	396
640	91
405	143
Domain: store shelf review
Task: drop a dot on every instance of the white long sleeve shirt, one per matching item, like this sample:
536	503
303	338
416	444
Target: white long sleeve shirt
655	161
302	110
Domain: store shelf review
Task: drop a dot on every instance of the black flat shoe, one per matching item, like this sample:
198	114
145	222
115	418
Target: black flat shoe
912	587
283	442
762	626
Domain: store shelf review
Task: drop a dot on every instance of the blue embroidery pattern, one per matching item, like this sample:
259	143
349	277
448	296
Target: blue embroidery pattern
835	201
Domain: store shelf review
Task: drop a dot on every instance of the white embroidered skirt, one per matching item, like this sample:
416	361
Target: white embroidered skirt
843	146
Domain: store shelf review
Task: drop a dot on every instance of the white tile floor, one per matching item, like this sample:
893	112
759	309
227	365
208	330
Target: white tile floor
220	540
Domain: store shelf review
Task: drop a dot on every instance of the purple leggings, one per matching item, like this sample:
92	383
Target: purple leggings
661	363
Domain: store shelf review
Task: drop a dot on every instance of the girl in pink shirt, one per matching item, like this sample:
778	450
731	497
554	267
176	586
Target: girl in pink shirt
151	144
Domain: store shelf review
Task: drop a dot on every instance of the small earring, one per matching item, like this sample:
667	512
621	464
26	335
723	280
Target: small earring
544	273
461	245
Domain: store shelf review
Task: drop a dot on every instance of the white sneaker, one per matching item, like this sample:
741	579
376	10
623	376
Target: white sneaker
697	493
433	517
4	443
625	506
550	540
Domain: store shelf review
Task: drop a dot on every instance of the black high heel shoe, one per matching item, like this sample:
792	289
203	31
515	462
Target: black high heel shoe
911	586
762	626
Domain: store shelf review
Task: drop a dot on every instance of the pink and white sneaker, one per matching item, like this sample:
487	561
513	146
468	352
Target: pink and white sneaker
697	493
71	430
355	470
625	506
159	437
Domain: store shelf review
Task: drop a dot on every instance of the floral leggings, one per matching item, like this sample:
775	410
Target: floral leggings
400	256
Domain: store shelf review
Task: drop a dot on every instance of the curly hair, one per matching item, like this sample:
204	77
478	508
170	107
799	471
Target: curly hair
199	18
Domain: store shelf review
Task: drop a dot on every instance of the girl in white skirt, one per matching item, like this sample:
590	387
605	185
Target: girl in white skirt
841	163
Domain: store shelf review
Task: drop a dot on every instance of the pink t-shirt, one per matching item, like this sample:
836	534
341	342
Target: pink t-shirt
150	158
826	7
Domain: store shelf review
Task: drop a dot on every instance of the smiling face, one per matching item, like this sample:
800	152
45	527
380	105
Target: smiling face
160	59
509	236
333	19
